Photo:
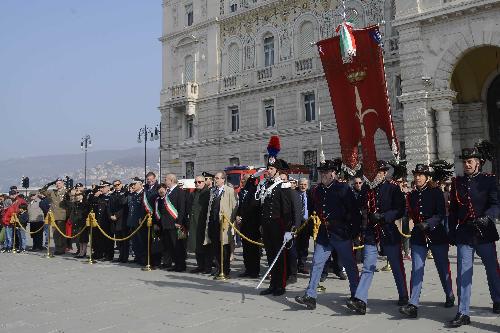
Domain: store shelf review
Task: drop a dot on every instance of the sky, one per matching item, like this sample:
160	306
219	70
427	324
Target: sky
75	67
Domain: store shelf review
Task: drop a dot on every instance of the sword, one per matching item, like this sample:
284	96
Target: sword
288	236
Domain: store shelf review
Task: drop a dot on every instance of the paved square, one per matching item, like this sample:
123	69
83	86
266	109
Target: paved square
63	294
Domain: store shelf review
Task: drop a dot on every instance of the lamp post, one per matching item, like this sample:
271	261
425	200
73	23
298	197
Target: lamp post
143	135
85	144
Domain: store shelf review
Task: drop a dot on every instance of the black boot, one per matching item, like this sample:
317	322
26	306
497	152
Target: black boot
460	320
356	305
403	301
308	301
267	291
450	302
496	307
409	310
279	291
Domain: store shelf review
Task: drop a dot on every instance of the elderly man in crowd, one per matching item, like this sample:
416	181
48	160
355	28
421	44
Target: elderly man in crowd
56	199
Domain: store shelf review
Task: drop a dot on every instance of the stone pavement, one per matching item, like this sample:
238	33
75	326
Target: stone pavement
63	294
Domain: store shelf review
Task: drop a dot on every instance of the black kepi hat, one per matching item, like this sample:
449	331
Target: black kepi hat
422	169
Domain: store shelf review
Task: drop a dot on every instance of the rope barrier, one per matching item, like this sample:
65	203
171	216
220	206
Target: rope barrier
239	232
29	232
147	217
66	236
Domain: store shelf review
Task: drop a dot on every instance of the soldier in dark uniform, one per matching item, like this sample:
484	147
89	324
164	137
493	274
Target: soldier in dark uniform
427	209
473	209
275	219
247	218
103	247
336	206
136	213
385	203
118	214
78	209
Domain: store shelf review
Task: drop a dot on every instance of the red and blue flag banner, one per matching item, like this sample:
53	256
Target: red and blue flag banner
358	91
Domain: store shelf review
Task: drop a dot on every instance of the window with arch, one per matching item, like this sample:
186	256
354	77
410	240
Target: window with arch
233	59
189	69
268	50
189	170
306	37
352	15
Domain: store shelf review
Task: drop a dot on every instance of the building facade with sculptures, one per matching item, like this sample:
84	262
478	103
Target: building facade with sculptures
236	72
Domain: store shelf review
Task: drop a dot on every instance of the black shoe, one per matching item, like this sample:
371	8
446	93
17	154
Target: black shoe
33	249
460	319
267	291
253	276
403	301
244	274
207	271
496	307
291	279
450	302
58	253
323	277
356	305
342	275
171	269
279	291
409	310
303	271
196	270
308	301
179	269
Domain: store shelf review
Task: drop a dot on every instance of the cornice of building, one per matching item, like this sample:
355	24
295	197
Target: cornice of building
261	135
444	12
188	30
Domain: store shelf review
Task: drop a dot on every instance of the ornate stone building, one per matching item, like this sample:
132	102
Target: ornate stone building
236	72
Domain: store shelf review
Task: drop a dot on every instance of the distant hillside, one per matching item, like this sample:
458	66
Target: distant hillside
105	164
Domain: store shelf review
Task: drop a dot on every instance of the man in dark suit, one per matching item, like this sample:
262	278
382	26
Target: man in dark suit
170	207
302	239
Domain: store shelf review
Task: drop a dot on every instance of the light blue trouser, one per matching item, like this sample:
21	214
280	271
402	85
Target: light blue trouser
393	253
465	264
419	255
7	244
346	256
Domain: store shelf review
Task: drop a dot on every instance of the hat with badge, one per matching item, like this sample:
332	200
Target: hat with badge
273	148
483	150
137	180
331	165
79	185
422	169
382	165
104	183
207	174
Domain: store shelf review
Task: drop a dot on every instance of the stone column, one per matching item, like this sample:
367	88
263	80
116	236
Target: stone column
442	104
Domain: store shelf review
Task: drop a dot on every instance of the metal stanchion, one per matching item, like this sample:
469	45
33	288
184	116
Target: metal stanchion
91	225
48	255
149	223
13	222
221	275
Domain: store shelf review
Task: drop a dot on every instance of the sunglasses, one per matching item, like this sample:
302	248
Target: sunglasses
116	185
200	182
359	182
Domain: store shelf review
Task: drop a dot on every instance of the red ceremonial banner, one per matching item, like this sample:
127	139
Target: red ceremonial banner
358	91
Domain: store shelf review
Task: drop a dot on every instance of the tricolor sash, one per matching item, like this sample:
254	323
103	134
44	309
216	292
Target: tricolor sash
146	204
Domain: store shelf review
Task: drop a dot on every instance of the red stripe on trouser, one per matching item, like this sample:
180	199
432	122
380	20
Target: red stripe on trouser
284	254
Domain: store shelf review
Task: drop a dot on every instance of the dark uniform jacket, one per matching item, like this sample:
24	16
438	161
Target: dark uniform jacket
119	208
338	210
277	206
389	200
471	198
427	205
100	205
136	210
248	207
197	219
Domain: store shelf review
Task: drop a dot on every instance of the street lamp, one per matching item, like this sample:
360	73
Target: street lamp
144	134
85	144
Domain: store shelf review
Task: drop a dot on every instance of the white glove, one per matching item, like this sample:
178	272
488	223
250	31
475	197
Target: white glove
288	236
